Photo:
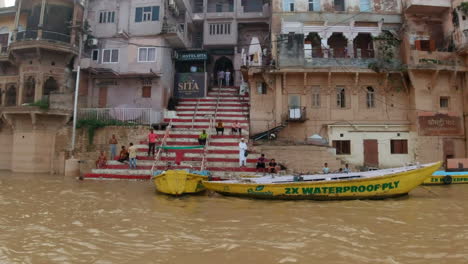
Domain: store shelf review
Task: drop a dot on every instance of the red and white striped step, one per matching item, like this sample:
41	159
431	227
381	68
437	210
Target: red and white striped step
222	153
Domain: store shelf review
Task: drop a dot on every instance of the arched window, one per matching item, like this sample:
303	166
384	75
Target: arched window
370	97
50	86
29	89
10	99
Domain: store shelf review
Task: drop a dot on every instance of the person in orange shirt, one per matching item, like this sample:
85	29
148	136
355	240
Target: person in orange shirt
152	139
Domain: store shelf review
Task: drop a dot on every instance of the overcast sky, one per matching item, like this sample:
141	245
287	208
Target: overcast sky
10	2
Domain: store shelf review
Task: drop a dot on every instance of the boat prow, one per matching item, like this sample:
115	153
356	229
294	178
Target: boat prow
377	184
178	182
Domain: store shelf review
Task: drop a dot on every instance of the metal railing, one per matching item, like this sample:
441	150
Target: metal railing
339	53
205	149
195	113
46	35
138	116
160	149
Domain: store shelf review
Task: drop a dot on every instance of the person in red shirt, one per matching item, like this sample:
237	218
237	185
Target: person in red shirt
152	138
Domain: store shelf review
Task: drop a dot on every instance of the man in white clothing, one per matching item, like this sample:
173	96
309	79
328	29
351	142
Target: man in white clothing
242	150
227	77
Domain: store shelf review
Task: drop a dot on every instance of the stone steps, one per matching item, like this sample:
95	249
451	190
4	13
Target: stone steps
222	153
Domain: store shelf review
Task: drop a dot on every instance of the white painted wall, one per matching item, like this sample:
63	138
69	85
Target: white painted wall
382	135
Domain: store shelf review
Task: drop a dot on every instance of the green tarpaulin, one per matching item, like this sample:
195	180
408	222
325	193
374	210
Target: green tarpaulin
188	147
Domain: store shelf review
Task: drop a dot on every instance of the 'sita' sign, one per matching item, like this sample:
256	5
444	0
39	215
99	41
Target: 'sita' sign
190	85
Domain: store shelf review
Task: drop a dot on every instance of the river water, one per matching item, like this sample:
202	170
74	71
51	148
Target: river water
52	219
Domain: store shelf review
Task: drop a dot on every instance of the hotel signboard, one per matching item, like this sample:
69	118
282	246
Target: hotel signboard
190	85
437	124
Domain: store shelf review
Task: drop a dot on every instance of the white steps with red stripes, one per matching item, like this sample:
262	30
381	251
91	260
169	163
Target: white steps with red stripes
222	153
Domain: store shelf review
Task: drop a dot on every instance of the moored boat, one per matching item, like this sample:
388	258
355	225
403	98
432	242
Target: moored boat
178	182
376	184
455	173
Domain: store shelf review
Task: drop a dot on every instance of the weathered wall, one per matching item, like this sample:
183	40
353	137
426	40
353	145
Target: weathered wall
301	158
6	141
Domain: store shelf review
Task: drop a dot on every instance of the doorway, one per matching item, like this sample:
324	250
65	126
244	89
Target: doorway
224	64
102	100
371	153
449	150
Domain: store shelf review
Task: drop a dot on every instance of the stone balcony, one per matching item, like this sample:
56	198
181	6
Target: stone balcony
426	6
435	60
53	41
175	35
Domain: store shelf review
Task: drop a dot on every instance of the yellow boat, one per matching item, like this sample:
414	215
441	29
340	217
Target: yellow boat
447	177
376	184
177	182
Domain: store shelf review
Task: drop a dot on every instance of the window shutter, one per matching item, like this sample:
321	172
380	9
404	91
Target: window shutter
155	14
139	14
417	44
316	5
432	46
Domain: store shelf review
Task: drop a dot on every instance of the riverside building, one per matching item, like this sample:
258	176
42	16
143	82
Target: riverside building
381	80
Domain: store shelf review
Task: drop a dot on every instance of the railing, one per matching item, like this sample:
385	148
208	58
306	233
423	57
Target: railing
46	35
195	113
297	114
205	149
339	53
139	116
163	143
220	9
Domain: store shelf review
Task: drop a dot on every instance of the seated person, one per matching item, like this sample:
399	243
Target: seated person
272	166
123	156
261	163
101	161
347	169
325	169
202	138
236	127
220	128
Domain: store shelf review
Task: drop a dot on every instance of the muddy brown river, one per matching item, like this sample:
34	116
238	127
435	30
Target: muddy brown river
52	219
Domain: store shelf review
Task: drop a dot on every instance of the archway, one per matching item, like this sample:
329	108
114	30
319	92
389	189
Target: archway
338	43
363	46
10	99
50	86
316	44
224	64
29	89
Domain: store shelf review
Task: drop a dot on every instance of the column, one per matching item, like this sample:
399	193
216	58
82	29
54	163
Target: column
17	17
41	20
324	39
73	29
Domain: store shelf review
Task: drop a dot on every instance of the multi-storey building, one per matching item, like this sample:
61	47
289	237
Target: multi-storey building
128	53
232	32
377	79
39	41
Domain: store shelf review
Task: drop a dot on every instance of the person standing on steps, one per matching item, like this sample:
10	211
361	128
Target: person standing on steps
113	147
227	77
132	154
152	138
242	153
220	78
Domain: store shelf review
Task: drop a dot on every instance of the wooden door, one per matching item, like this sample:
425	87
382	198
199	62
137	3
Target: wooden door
102	97
371	153
449	150
3	42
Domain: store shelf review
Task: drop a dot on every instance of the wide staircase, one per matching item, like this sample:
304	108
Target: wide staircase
221	155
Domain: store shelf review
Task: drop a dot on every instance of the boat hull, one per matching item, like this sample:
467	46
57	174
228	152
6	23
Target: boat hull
380	187
447	177
178	182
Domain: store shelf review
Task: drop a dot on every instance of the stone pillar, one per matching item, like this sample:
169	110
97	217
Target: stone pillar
350	48
73	31
41	20
205	6
17	17
324	36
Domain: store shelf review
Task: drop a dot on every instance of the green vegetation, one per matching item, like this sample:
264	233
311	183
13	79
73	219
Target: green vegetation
93	124
463	7
42	104
387	59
